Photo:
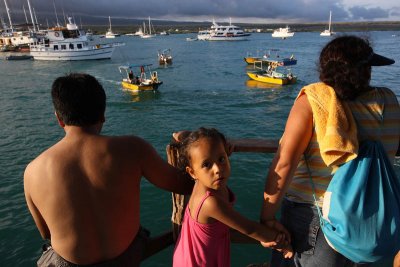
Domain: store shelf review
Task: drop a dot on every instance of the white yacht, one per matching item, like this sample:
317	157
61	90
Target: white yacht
10	38
223	33
69	43
203	35
147	33
110	33
328	32
283	33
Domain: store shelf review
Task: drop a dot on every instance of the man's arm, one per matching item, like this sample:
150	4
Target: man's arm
163	175
37	217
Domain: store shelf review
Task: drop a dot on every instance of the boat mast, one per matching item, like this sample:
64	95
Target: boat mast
9	17
149	26
37	23
55	11
30	11
26	18
330	21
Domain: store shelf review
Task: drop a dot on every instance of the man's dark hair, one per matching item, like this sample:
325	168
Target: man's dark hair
79	99
343	65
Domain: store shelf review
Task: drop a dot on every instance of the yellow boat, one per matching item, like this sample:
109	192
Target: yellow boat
276	78
266	70
251	60
139	82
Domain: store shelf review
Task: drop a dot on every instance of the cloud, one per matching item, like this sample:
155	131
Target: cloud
200	10
364	13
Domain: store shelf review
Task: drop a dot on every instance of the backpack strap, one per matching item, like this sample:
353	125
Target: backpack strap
321	221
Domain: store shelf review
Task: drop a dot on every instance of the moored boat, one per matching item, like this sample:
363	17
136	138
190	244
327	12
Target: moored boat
275	71
110	34
19	57
139	81
283	33
222	33
165	57
328	32
148	33
69	43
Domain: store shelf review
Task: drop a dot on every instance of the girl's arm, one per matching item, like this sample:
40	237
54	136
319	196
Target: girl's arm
294	141
219	209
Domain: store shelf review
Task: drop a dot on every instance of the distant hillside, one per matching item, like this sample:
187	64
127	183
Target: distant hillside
192	27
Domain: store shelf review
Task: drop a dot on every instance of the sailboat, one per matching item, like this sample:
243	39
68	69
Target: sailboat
109	33
328	32
147	34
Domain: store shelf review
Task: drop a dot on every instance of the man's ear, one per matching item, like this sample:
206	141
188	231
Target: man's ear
103	118
60	121
191	172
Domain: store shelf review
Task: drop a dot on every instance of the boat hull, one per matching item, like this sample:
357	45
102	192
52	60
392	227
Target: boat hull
327	33
251	60
273	80
228	38
70	55
140	87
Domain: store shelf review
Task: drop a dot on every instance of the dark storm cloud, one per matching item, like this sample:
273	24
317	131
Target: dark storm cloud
246	10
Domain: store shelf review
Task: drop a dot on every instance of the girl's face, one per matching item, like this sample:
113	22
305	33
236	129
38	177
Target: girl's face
209	163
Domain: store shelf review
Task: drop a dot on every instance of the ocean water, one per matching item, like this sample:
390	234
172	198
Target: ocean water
207	86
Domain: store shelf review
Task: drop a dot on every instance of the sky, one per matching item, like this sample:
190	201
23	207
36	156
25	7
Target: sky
240	11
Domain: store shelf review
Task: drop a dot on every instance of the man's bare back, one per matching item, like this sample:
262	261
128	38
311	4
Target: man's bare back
84	192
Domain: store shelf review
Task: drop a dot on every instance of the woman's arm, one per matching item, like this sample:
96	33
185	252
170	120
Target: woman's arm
294	141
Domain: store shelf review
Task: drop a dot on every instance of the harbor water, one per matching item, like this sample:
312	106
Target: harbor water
206	85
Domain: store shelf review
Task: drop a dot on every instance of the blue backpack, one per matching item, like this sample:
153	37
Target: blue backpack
362	221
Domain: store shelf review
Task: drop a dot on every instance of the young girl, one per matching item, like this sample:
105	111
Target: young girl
204	239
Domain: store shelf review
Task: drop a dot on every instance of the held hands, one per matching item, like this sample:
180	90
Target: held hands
282	240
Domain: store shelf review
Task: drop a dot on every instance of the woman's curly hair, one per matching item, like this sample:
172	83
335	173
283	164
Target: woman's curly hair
343	65
193	137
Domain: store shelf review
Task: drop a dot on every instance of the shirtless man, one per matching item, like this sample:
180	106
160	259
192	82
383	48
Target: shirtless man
84	191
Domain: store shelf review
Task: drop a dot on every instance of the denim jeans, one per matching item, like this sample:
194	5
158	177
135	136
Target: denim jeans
308	241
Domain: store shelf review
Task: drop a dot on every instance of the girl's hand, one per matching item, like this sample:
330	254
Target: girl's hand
278	227
287	252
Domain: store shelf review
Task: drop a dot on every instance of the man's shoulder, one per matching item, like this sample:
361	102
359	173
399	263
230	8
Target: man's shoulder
125	140
39	162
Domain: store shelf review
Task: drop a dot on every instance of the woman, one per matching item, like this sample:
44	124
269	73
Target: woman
326	122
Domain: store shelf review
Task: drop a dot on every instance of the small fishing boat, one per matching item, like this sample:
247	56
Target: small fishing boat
19	57
275	71
267	54
190	39
139	81
165	57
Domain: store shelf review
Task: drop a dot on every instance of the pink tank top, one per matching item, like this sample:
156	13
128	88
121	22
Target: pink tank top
203	244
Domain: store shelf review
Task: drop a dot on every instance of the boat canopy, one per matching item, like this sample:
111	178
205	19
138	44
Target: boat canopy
280	62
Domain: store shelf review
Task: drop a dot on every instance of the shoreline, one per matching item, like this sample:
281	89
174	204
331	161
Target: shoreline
194	27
